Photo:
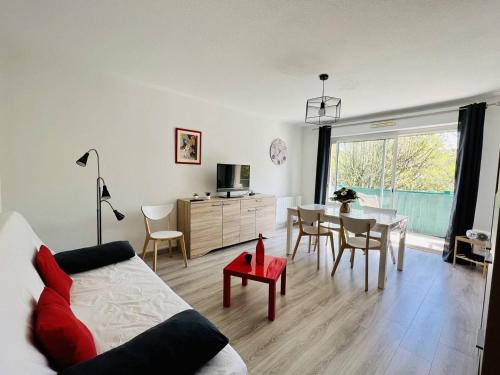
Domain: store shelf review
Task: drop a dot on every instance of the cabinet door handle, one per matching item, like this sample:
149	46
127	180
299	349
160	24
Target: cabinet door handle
249	210
216	205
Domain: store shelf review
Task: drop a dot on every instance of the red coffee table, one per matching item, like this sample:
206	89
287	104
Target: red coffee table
268	273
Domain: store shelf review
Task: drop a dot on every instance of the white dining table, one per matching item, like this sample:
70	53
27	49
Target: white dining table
385	225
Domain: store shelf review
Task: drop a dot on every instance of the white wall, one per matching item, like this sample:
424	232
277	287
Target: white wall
489	165
3	125
56	114
309	155
489	162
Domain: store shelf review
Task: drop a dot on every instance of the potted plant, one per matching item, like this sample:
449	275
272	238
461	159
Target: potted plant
345	196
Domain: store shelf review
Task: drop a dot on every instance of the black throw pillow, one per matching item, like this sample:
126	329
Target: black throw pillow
178	346
89	258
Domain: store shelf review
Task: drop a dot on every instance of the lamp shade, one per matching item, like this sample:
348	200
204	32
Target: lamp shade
105	193
119	215
82	162
323	110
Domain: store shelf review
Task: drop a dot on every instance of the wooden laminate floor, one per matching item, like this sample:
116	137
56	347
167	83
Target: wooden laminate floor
424	322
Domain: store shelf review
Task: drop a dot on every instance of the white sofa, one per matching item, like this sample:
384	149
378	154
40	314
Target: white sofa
116	303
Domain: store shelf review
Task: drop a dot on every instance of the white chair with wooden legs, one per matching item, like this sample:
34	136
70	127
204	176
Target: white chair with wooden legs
368	200
309	225
155	213
384	211
356	227
330	226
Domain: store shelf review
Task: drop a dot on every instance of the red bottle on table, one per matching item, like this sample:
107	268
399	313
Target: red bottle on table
259	251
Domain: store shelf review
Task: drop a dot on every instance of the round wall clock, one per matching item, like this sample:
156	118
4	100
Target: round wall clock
278	151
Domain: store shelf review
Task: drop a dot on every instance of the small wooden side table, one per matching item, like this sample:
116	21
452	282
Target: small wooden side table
482	244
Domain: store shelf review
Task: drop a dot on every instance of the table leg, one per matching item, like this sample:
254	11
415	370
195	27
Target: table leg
283	282
271	311
244	281
402	245
455	252
227	290
289	232
383	258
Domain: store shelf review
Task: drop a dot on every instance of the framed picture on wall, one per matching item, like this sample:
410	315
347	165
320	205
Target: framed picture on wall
187	146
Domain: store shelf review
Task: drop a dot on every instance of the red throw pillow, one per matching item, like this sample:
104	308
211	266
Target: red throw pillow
64	338
52	275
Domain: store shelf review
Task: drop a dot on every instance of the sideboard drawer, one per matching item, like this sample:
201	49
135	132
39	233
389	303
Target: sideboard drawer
257	202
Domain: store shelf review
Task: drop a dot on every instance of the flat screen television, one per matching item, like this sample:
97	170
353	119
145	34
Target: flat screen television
233	177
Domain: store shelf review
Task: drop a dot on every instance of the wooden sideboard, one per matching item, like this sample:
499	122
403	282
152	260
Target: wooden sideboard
218	222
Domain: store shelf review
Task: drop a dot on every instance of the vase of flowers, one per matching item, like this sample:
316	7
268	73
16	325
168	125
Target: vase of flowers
345	196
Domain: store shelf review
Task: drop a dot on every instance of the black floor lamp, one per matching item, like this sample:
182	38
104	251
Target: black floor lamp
102	196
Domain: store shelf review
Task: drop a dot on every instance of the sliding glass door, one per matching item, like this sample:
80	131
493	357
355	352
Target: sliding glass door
413	173
425	178
365	166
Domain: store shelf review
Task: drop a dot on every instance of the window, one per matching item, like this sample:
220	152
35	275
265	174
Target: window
413	173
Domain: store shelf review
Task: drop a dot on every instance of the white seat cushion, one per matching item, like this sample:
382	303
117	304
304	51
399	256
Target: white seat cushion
120	301
360	242
165	234
20	289
330	226
314	230
116	302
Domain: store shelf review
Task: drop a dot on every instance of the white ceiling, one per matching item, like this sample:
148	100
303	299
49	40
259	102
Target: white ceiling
264	56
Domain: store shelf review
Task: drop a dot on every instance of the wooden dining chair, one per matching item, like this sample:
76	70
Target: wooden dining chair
309	225
376	235
348	226
155	213
332	227
368	200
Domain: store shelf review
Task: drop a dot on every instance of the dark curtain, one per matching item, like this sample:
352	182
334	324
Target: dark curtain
470	145
322	164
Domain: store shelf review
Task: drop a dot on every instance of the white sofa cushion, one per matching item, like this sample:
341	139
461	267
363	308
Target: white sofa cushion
116	303
20	288
120	301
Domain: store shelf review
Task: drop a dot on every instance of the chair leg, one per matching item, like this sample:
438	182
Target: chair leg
336	264
145	248
331	243
183	250
319	244
392	252
155	256
309	250
352	257
170	248
315	244
297	245
366	270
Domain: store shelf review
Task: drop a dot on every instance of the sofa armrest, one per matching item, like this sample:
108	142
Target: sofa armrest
179	345
89	258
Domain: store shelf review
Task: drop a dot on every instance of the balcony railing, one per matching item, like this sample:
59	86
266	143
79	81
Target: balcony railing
428	212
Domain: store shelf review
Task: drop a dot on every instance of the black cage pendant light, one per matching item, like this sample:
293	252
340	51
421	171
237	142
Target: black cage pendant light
324	110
